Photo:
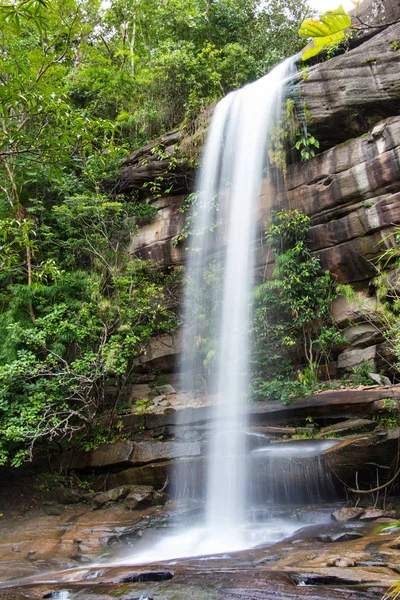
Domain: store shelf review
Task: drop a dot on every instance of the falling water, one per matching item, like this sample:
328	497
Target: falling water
228	191
217	315
217	304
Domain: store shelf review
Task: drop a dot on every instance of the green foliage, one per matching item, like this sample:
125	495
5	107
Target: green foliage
282	135
306	144
281	387
190	208
292	323
142	406
88	327
338	48
387	292
292	126
144	212
359	375
286	230
387	421
326	32
83	82
144	52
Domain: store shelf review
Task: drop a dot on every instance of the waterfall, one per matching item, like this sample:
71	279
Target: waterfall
224	229
216	317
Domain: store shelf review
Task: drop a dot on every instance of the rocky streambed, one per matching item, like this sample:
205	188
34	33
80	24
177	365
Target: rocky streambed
76	530
340	559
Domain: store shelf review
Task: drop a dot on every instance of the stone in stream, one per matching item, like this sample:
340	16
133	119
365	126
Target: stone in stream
137	496
342	562
348	513
344	536
373	513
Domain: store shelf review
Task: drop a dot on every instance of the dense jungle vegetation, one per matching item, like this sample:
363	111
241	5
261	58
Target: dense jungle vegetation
82	84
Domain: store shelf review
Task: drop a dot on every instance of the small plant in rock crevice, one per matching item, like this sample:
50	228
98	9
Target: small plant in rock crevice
292	125
359	374
307	145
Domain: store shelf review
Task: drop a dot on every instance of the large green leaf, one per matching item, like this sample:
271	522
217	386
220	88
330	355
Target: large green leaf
329	30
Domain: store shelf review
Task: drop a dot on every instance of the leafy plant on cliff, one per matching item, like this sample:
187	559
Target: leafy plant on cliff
292	326
388	293
306	144
328	31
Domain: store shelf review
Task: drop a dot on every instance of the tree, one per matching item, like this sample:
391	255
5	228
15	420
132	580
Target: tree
82	84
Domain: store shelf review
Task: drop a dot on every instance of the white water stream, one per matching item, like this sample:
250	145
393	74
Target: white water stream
217	305
232	171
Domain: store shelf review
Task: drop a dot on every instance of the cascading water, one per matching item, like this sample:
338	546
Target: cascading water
216	317
230	178
217	306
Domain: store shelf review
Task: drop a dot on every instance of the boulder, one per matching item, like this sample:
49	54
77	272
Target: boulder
111	496
353	358
153	474
393	279
363	335
379	379
345	312
140	496
161	353
167	389
352	261
373	513
149	452
347	514
133	496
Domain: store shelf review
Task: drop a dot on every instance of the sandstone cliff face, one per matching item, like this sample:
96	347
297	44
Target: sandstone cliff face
350	191
352	194
351	92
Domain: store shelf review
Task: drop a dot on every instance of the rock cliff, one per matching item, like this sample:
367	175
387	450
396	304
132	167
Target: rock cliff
350	190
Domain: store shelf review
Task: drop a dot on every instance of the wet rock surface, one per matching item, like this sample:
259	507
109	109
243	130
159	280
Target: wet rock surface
347	514
318	562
